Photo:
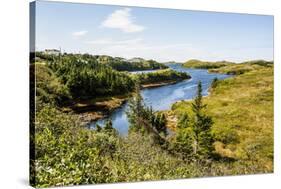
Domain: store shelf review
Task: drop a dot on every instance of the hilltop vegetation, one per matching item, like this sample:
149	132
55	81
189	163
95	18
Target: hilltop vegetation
162	76
227	67
198	64
117	63
237	69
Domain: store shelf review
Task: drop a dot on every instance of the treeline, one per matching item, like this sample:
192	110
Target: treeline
122	64
88	78
117	63
85	78
161	76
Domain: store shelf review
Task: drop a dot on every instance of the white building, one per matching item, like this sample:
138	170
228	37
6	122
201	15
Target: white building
52	52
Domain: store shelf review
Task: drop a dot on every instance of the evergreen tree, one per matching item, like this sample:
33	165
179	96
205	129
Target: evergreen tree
194	137
98	128
144	119
203	140
136	110
214	82
109	127
159	122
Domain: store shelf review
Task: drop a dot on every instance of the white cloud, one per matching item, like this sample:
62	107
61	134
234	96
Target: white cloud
80	33
123	20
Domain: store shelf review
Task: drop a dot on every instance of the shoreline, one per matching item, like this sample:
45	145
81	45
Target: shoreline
95	109
88	111
160	84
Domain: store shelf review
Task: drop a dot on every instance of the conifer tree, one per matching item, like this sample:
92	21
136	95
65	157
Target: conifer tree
194	136
136	109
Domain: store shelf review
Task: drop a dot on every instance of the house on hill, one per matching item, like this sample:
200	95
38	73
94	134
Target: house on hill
52	52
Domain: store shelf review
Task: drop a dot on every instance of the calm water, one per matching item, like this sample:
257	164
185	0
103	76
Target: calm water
162	98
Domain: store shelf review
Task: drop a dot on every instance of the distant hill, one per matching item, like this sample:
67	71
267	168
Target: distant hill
134	64
136	60
170	62
193	63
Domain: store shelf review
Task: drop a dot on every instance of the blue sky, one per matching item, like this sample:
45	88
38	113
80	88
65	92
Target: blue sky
160	34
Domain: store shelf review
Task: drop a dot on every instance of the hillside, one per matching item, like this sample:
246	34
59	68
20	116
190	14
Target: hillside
205	64
240	68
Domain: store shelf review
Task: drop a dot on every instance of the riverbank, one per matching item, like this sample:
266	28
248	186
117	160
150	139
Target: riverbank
98	108
242	111
160	84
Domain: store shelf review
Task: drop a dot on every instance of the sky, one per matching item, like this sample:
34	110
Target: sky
151	33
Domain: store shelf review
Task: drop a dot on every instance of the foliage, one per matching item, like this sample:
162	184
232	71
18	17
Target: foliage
86	78
122	64
68	154
161	76
49	88
194	136
214	83
144	119
117	63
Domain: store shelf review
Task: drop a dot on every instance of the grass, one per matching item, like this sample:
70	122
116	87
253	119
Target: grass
236	69
242	111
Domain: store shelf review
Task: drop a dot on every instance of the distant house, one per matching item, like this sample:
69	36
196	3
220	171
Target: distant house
52	52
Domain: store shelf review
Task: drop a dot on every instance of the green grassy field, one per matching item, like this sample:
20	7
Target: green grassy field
242	111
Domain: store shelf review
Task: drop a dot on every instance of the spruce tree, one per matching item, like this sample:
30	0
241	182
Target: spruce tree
136	109
194	137
202	138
